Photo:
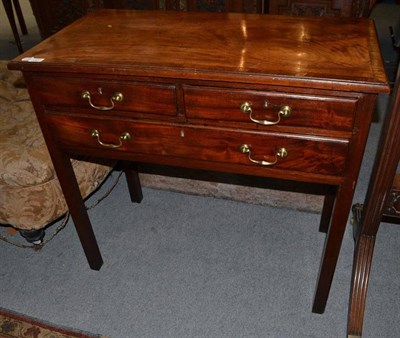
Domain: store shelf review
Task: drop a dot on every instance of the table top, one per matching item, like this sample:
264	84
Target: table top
329	53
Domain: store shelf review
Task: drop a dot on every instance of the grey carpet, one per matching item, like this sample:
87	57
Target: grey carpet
180	265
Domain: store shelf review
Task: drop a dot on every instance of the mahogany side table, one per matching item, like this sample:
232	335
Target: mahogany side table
278	97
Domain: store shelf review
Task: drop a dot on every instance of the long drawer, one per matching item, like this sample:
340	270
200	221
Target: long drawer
105	96
268	108
270	150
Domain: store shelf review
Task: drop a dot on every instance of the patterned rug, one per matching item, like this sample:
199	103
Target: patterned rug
15	325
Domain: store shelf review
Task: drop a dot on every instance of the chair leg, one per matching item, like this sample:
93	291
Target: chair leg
20	17
10	15
359	284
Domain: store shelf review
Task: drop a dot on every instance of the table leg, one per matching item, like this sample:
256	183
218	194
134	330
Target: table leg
133	180
329	202
332	246
69	185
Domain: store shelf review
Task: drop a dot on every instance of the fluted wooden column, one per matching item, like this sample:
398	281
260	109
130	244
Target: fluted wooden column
382	178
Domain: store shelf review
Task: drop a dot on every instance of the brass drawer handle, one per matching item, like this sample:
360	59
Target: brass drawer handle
123	137
246	149
285	111
117	97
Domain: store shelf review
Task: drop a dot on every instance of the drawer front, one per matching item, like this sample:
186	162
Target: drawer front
319	156
107	96
270	108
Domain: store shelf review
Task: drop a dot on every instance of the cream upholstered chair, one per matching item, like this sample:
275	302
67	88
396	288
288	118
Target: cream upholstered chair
30	194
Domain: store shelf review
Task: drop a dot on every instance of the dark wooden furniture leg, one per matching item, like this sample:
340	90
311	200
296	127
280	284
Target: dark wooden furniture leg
382	178
69	185
364	251
10	15
332	246
329	203
133	180
20	17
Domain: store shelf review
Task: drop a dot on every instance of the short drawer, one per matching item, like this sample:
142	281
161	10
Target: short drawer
269	150
270	108
108	96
